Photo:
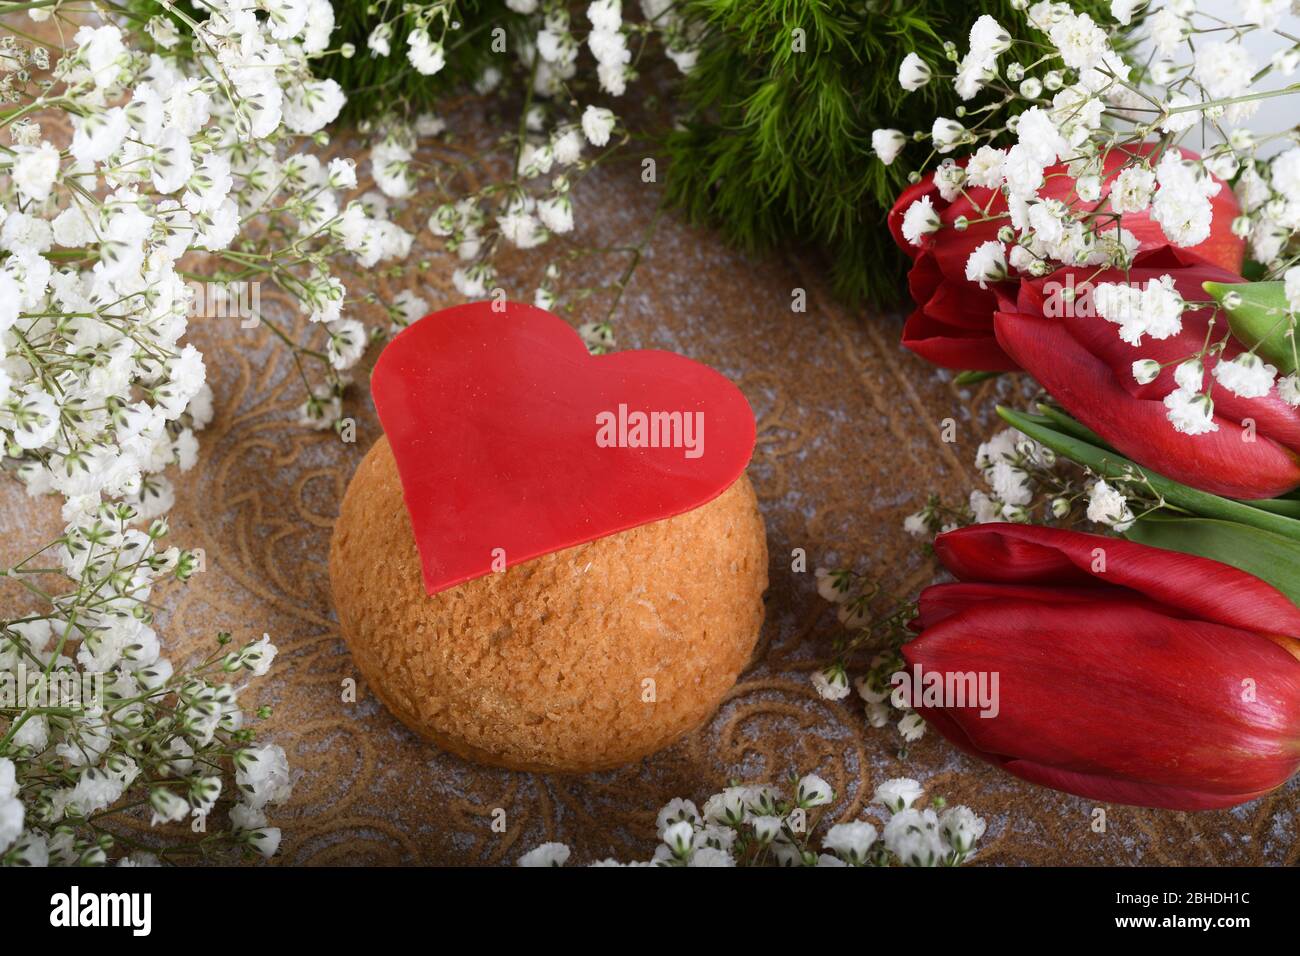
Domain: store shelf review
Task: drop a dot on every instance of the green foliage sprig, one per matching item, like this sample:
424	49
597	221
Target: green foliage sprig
776	146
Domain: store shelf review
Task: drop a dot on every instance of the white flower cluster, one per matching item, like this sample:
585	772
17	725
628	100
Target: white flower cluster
760	826
120	164
1087	108
1020	470
1007	461
96	712
1108	506
852	596
1156	310
534	204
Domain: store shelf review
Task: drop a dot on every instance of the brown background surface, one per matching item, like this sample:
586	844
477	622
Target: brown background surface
848	445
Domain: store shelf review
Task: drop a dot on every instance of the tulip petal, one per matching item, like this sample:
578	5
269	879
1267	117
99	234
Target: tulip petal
1222	248
1091	786
940	601
1195	586
955	348
952	326
1128	792
1272	416
1226	462
1121	692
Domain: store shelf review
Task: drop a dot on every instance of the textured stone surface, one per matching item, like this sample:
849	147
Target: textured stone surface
849	443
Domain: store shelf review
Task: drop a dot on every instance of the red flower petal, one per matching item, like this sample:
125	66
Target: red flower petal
1222	462
941	601
1272	416
1122	692
953	324
1196	586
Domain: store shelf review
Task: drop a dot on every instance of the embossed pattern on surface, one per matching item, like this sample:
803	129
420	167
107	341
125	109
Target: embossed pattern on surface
848	444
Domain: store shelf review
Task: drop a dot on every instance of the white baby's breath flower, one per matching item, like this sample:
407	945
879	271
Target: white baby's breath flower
1182	204
729	808
597	124
851	842
887	144
556	214
962	828
548	854
309	106
913	836
1291	288
973	74
949	178
813	791
913	72
897	794
425	54
1123	10
711	856
1132	188
1247	375
1146	371
1224	69
1182	113
167	807
12	814
1081	42
947	134
832	586
1190	375
987	263
679	837
1285	61
1190	413
983	508
674	811
920	219
1168	27
566	146
831	683
767	828
1162	308
1288	389
988	37
1038	134
34	170
1023	173
262	774
985	167
1108	506
380	40
911	727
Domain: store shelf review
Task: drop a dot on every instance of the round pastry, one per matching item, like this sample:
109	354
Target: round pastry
579	660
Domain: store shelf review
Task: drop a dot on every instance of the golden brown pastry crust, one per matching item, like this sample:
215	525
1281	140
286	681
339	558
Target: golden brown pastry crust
545	666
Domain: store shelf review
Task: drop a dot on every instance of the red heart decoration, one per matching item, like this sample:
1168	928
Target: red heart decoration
492	415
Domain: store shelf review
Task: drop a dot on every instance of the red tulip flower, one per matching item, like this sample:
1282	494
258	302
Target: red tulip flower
1127	673
1083	363
953	322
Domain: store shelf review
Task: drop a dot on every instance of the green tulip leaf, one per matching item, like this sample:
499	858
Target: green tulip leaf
973	377
1261	319
1288	505
1269	557
1279	506
1064	423
1111	465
